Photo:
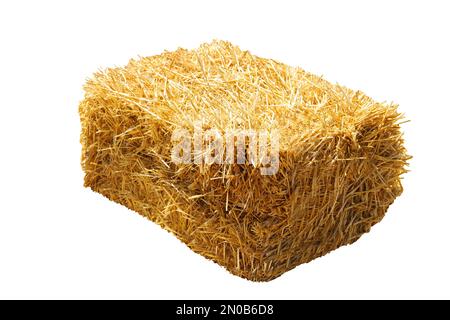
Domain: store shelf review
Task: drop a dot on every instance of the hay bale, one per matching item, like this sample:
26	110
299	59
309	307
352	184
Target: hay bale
341	155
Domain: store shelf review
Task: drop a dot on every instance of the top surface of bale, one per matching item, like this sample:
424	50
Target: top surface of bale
228	88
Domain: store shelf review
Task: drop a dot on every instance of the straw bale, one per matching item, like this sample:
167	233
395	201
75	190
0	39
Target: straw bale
341	155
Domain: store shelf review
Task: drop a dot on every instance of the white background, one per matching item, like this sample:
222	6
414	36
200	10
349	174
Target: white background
60	240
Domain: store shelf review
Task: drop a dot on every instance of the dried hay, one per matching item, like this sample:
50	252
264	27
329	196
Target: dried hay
341	156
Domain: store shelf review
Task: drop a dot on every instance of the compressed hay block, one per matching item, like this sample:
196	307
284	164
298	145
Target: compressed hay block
339	157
